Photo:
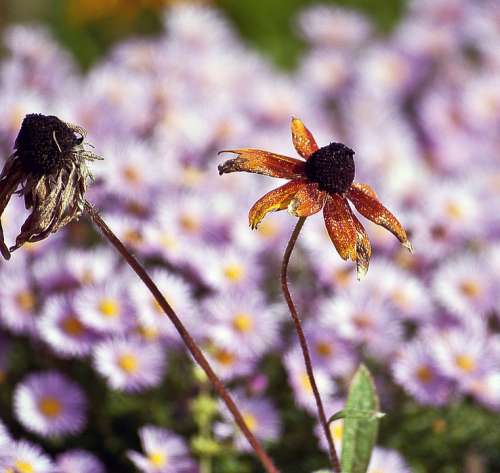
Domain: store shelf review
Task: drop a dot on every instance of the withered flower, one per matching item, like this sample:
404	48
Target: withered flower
323	181
49	168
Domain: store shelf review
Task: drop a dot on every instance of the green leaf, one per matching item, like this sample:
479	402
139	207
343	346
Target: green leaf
356	414
360	432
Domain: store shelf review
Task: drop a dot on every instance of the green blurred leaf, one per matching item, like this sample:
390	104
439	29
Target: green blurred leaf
359	433
356	414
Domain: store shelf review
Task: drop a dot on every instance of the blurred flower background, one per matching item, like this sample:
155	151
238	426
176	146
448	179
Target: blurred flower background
93	377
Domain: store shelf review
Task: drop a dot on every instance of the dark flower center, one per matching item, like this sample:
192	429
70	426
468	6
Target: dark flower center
44	142
332	167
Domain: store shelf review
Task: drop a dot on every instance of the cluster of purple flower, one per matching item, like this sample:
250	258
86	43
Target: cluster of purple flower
420	107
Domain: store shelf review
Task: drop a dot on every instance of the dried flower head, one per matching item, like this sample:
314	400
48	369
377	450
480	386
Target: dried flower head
323	181
49	168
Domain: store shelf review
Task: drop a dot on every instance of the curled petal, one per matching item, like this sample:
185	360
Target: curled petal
263	162
365	188
340	225
371	208
302	138
363	248
277	199
308	201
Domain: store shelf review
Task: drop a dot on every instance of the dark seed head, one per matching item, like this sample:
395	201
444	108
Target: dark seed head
332	167
44	142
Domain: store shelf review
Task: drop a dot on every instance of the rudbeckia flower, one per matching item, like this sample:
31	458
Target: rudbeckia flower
323	181
49	168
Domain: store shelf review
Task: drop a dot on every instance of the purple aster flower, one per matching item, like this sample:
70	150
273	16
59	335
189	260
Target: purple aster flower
228	362
4	434
242	321
51	272
366	320
405	293
91	266
226	268
130	365
387	461
260	416
151	316
417	372
301	386
486	388
105	308
50	405
61	328
341	28
336	427
78	461
466	286
24	456
464	354
164	452
19	301
328	351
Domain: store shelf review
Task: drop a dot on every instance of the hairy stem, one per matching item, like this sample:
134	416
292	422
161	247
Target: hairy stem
186	337
303	343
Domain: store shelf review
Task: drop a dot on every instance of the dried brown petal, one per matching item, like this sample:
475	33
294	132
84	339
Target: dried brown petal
303	139
340	226
263	162
308	201
277	199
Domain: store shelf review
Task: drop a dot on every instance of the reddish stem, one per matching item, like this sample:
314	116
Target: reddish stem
186	337
303	343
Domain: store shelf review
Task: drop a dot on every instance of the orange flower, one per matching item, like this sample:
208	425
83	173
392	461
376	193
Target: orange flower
323	181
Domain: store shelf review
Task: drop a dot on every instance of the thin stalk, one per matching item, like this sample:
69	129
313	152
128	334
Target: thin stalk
303	343
186	337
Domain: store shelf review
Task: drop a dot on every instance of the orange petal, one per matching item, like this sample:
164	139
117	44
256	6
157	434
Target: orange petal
365	188
370	207
308	201
340	225
363	248
277	199
263	162
302	138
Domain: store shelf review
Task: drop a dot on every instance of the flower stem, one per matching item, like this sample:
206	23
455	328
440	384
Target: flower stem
303	343
186	337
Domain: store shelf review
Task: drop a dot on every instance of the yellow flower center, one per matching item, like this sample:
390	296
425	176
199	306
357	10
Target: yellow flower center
168	241
132	237
148	333
453	210
191	176
439	426
110	308
424	374
72	326
324	349
465	363
305	383
470	289
128	363
50	406
131	174
267	229
224	357
157	459
26	300
337	430
250	420
362	321
189	223
400	298
24	467
242	323
234	272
